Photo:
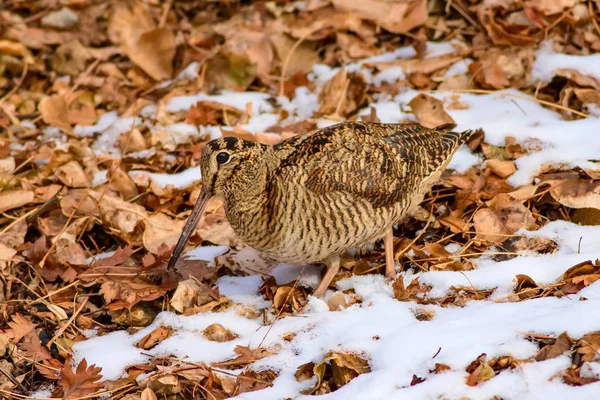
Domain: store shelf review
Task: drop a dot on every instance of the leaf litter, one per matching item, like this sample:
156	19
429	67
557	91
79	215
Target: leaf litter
104	111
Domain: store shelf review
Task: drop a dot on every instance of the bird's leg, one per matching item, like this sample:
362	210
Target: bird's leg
333	266
388	245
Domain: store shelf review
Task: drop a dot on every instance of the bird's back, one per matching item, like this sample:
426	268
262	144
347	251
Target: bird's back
345	185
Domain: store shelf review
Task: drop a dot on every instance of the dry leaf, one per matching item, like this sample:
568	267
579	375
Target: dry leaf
504	217
336	368
150	48
21	326
429	111
190	293
81	382
479	371
218	333
55	112
342	94
562	344
12	199
155	337
72	175
399	16
577	193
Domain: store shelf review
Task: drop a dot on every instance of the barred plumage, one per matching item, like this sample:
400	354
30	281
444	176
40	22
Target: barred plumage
312	197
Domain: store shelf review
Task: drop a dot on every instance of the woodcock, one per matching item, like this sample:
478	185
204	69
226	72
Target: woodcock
310	198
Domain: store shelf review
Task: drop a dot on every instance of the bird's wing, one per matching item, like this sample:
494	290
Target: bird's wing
379	163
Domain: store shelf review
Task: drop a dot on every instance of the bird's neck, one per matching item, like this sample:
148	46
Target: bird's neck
246	192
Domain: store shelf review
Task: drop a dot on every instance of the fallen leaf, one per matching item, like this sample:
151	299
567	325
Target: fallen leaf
342	94
72	175
479	371
394	16
155	337
335	370
190	293
150	48
21	326
562	344
218	333
12	199
504	217
429	111
55	112
80	382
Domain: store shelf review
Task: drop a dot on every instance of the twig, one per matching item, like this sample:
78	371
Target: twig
69	322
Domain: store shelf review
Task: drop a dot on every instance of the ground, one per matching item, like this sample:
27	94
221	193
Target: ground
106	107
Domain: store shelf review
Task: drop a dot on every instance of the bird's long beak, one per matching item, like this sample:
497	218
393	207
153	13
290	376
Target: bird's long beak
190	225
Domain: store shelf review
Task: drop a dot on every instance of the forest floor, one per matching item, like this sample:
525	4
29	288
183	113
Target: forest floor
105	108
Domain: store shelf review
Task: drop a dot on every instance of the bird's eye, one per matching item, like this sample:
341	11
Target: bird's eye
223	157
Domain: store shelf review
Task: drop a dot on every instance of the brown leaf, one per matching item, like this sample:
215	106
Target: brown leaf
33	348
504	217
72	175
81	382
479	371
121	182
396	17
577	193
588	346
302	60
342	94
573	377
21	326
439	368
155	337
562	344
12	199
55	112
335	370
503	169
190	293
429	111
218	333
150	48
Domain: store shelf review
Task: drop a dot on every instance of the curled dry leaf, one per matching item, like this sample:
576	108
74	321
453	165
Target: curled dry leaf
218	333
55	112
562	344
121	182
334	371
479	371
503	169
155	337
190	293
429	111
150	48
72	175
417	65
504	217
342	94
301	60
12	199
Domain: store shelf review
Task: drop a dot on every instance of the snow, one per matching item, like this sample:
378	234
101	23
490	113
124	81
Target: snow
382	329
206	253
547	62
179	180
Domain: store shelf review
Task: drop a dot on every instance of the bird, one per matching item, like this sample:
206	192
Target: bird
312	197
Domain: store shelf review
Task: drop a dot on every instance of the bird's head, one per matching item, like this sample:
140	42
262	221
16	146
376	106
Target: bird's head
229	167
